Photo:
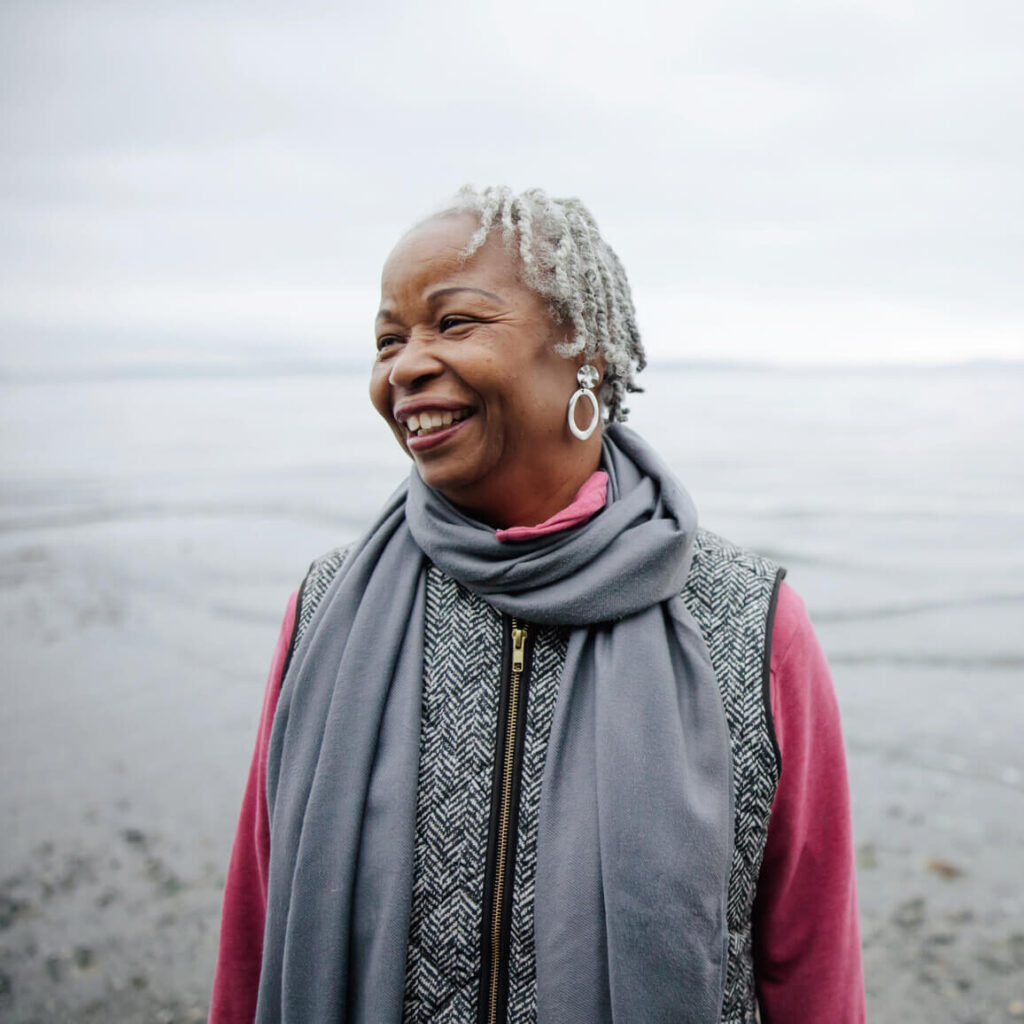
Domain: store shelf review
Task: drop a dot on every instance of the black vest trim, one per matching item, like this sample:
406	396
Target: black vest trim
766	694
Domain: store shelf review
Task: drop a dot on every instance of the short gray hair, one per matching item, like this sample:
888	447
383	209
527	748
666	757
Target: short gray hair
566	261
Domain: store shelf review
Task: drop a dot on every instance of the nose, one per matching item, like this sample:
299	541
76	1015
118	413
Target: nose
413	364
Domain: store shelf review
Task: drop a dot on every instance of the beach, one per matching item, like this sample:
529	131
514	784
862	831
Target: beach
154	521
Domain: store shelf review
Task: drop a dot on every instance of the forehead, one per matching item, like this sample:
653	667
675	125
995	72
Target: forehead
432	252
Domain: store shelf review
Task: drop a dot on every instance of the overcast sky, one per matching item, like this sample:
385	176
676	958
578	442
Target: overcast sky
784	181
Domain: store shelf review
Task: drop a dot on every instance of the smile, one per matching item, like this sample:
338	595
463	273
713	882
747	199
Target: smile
427	426
430	421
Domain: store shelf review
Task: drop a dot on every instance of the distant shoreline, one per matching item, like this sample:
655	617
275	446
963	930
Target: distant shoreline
263	368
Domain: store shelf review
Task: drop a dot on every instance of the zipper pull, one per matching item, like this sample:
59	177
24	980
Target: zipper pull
518	648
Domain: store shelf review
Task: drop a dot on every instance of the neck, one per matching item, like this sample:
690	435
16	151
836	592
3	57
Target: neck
526	496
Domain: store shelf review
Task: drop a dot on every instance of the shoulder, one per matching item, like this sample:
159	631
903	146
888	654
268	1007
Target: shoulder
728	580
714	556
732	593
749	616
315	584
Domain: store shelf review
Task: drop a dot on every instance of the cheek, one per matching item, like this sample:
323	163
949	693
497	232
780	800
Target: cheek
549	396
547	381
537	417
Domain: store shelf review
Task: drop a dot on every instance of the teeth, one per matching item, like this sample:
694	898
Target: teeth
427	422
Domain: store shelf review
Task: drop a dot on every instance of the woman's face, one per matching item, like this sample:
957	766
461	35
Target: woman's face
468	380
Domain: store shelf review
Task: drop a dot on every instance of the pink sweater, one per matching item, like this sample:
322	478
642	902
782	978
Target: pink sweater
807	960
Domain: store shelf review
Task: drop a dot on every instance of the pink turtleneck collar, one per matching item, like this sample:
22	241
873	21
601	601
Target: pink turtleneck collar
590	498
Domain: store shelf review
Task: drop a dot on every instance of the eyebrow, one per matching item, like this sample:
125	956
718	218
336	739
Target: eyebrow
385	314
441	292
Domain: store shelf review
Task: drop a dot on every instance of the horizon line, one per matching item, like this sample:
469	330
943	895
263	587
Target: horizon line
269	367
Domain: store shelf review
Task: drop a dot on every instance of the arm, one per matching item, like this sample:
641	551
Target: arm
236	982
807	959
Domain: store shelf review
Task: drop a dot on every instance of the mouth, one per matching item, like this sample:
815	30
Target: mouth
428	427
430	421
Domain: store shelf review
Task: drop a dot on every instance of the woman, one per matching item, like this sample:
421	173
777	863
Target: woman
536	748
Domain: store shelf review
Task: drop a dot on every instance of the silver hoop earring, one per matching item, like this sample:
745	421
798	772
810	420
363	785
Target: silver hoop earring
587	377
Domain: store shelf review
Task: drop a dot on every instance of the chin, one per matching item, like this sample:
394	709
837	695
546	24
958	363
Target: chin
461	485
448	482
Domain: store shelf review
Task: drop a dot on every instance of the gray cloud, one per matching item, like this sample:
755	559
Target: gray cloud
826	165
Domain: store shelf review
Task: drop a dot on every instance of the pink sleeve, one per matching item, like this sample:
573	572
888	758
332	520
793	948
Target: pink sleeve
807	959
236	982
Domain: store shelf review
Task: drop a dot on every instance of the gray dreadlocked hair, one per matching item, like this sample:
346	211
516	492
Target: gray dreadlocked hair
566	261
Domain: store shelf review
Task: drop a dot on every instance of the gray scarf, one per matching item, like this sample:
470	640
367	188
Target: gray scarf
635	833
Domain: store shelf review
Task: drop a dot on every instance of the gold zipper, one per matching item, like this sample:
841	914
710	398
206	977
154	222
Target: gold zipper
504	813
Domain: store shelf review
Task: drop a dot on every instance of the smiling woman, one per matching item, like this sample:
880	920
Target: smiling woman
537	748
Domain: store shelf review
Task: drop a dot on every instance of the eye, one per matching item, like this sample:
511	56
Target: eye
386	341
454	320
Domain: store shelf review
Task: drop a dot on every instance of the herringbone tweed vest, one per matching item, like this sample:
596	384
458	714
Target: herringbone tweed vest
731	593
